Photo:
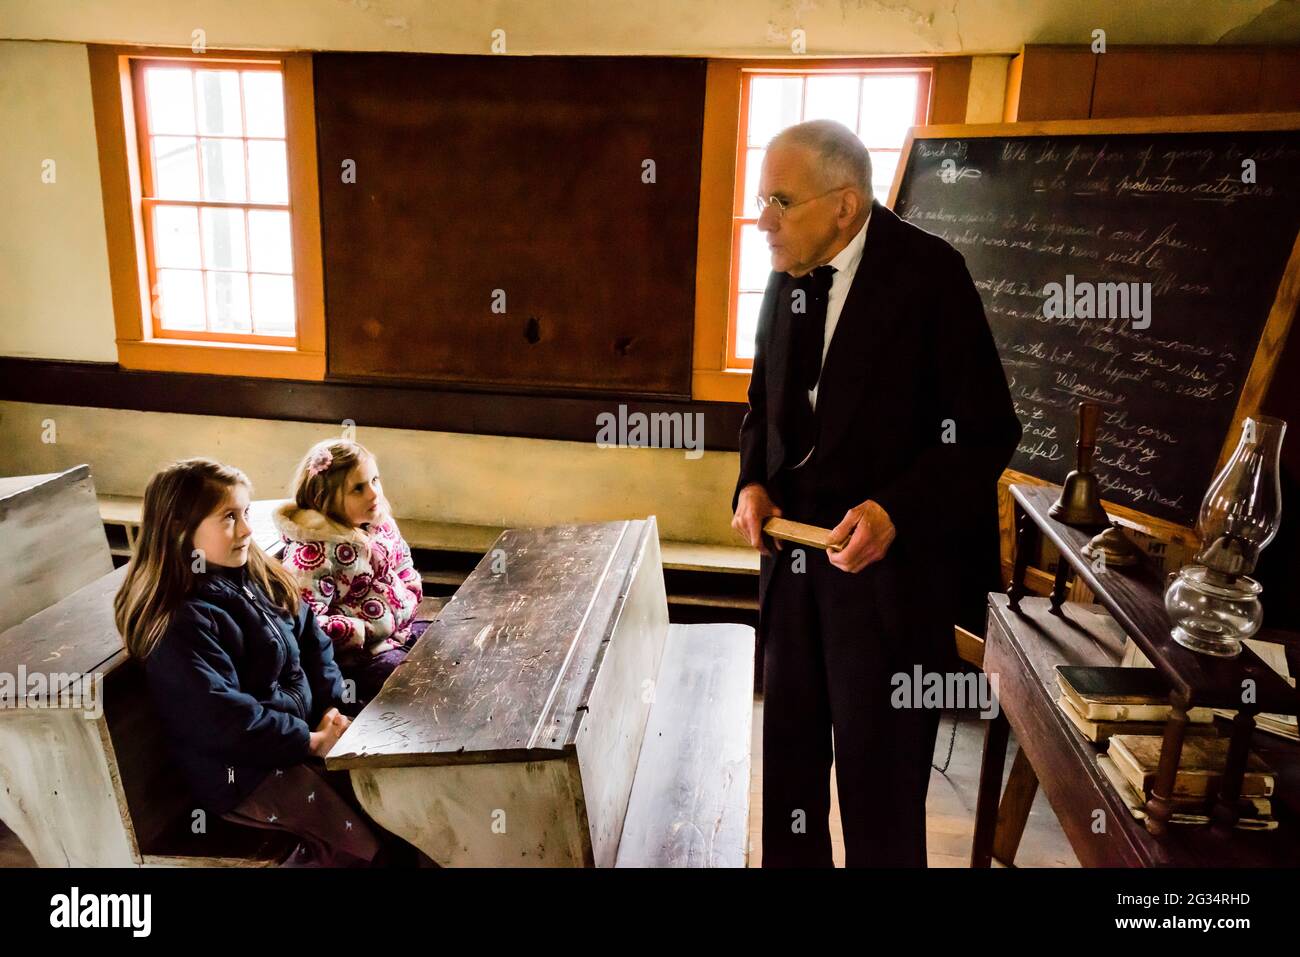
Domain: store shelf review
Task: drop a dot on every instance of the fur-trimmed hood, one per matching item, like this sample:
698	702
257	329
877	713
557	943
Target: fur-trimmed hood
308	525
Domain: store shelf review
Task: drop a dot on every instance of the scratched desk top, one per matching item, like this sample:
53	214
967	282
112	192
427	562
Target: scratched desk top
504	671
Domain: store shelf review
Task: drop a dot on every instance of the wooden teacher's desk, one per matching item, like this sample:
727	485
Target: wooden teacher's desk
1023	648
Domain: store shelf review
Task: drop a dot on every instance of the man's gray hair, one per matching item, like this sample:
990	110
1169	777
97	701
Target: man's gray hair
842	159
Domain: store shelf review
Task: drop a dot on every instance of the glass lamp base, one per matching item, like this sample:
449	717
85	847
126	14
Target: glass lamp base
1220	646
1211	613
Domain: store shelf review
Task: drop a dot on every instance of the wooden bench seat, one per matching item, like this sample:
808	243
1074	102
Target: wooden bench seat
689	805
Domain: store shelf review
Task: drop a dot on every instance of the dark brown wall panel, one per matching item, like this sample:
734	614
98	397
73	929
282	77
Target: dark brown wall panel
1154	82
1055	83
478	173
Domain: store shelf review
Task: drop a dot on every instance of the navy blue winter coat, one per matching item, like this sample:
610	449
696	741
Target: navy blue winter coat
239	686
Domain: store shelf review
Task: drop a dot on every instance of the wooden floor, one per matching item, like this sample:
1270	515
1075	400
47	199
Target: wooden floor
950	810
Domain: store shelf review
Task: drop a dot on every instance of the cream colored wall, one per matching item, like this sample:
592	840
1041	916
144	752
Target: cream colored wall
437	476
988	89
54	292
689	27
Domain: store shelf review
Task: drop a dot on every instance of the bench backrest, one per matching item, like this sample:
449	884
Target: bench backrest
53	539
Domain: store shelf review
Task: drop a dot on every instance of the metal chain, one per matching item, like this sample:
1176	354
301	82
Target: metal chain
952	739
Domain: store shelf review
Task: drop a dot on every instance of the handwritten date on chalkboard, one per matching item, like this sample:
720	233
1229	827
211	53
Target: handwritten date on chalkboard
1136	270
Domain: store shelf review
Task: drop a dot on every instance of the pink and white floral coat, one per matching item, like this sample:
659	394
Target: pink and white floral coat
362	586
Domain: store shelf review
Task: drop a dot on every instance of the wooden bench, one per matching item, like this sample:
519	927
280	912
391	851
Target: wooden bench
87	789
551	716
54	541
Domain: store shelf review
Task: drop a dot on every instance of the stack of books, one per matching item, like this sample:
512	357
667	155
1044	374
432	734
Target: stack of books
1126	708
1132	760
1102	702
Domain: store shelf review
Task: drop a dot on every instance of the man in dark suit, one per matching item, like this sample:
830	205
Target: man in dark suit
877	407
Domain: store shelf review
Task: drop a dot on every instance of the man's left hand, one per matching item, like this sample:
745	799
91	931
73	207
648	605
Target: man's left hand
867	533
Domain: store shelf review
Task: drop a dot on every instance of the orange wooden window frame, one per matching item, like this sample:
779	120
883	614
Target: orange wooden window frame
149	200
126	176
738	218
715	377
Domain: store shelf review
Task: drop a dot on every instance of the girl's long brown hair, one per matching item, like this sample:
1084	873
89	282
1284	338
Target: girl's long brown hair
161	573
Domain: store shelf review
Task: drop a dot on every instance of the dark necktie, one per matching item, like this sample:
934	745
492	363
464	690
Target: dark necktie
810	326
807	339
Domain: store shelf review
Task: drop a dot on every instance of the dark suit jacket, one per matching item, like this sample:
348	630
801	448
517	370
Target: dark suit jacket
912	350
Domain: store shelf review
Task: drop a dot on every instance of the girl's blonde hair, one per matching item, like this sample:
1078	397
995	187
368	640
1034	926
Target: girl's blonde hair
161	572
321	480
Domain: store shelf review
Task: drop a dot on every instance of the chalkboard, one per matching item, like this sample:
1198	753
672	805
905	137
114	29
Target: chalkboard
1195	259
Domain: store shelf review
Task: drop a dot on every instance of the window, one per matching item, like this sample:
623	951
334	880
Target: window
215	202
211	204
879	105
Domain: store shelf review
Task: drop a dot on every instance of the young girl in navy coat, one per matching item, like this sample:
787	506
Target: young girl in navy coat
241	675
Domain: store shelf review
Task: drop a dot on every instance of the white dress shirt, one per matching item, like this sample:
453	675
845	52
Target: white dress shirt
846	267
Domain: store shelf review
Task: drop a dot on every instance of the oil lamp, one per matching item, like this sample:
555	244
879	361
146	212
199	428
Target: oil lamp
1213	603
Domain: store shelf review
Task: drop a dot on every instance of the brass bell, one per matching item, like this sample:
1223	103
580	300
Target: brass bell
1079	504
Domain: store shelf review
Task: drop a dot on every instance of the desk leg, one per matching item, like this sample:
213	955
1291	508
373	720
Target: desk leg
986	803
1024	539
1225	811
1060	584
1013	813
1159	806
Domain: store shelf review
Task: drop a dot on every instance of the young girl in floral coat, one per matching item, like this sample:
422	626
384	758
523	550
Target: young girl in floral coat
352	566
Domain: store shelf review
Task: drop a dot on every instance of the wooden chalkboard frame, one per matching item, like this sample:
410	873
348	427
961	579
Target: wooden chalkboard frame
1276	327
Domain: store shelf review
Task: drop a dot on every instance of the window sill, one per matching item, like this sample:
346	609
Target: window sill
720	385
220	358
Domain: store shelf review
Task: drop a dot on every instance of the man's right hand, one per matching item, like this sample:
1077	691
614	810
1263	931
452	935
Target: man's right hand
753	508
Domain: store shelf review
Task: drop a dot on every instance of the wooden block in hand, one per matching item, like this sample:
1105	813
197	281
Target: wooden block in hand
801	534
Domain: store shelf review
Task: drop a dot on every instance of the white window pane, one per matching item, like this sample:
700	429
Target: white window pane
888	109
270	241
273	305
747	323
223	239
753	169
176	167
268	176
228	302
176	236
774	104
169	100
180	299
223	170
833	98
755	259
883	164
219	102
263	103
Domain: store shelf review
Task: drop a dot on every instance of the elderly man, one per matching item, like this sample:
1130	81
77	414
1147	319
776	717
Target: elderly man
878	407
